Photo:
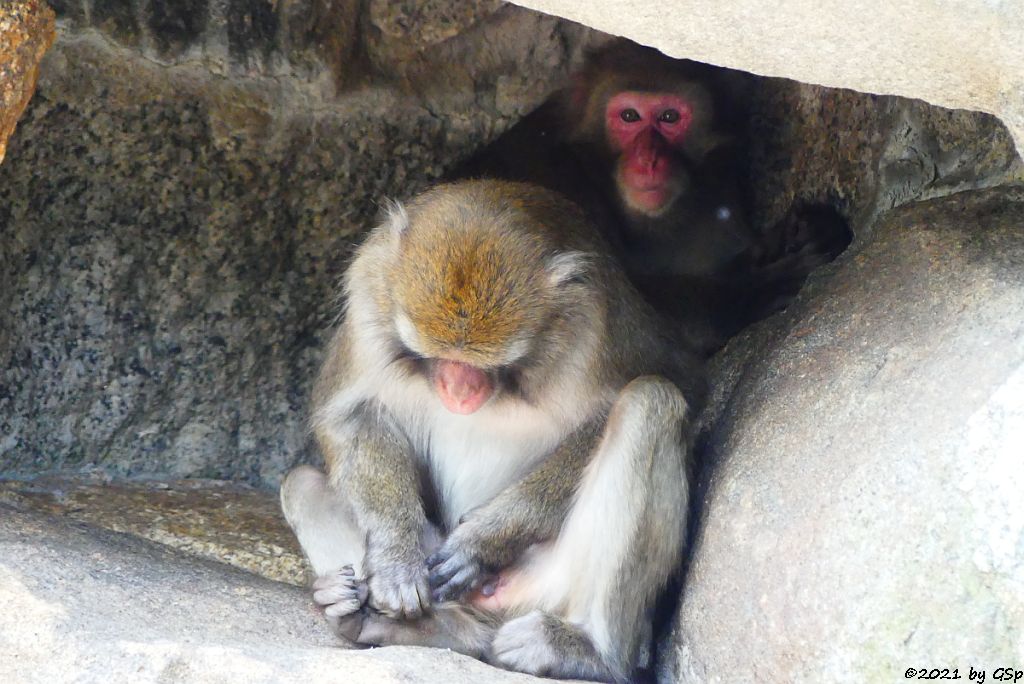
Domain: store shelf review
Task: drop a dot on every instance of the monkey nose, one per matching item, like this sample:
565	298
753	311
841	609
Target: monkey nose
647	151
461	387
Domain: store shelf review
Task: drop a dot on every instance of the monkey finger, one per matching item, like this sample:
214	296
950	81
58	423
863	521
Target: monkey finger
444	573
450	564
463	581
387	600
423	594
411	605
438	557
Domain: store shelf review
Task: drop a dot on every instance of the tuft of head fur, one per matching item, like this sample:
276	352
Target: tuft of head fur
478	273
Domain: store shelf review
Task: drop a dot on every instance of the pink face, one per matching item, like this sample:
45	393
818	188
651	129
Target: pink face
645	128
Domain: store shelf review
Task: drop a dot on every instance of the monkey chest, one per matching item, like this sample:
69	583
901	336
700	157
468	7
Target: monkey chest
468	466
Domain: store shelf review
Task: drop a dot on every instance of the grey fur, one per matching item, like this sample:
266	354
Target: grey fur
590	339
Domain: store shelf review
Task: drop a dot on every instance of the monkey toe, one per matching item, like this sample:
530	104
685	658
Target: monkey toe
340	593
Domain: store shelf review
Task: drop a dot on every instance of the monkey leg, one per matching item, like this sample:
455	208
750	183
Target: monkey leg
326	529
596	585
322	521
328	534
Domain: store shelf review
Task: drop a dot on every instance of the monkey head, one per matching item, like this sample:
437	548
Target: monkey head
652	117
474	280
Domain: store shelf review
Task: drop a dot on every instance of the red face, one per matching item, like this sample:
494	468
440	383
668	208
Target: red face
647	130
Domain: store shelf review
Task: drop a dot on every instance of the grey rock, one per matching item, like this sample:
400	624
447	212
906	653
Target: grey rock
171	240
119	19
170	244
962	55
223	521
175	24
863	510
72	11
87	605
866	154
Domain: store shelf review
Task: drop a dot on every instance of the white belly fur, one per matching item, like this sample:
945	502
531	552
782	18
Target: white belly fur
473	458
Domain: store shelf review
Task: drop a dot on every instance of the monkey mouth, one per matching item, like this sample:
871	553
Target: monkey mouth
653	201
648	191
647	178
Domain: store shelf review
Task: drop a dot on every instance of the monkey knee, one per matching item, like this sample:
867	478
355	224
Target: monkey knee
647	429
647	398
301	488
321	520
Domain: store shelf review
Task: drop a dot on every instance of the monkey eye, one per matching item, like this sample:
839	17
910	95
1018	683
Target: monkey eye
511	379
669	116
403	353
629	115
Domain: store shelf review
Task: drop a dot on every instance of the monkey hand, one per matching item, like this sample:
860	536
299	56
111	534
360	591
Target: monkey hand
457	567
398	586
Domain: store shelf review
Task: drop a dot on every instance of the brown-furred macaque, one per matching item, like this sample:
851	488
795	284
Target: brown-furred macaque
506	426
653	149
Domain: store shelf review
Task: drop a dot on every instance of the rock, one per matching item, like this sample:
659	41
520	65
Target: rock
863	512
171	240
866	154
88	605
399	29
26	32
962	55
224	521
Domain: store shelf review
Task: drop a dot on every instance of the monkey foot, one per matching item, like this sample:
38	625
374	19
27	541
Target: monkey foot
339	593
523	645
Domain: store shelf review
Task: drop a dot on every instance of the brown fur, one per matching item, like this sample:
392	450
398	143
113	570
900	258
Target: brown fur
483	272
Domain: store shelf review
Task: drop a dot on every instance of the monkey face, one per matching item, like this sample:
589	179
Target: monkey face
471	293
647	132
466	354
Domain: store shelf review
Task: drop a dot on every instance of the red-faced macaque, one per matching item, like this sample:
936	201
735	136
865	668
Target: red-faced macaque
506	426
653	149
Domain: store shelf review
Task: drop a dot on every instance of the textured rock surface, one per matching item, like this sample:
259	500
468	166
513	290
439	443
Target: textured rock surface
212	519
26	32
867	154
170	238
956	54
86	605
863	513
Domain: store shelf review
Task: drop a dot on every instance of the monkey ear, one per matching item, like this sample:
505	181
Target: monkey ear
567	267
395	217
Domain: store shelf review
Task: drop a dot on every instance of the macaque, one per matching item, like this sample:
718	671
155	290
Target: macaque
507	427
653	149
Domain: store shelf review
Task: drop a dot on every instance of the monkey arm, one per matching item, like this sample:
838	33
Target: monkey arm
532	510
370	463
